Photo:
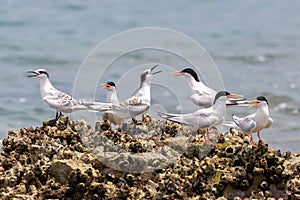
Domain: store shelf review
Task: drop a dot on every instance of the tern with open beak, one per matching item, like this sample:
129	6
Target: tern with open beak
257	121
205	117
54	98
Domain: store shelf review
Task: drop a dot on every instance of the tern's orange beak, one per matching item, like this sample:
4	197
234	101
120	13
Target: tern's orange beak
105	85
254	103
177	73
236	97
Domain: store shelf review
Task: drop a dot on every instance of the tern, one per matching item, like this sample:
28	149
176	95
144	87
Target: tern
133	106
111	97
55	99
202	95
257	121
204	117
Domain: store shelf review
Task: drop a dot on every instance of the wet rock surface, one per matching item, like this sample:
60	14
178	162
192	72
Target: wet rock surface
152	159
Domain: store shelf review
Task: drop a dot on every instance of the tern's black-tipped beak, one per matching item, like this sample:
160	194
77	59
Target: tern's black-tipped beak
156	72
153	73
32	74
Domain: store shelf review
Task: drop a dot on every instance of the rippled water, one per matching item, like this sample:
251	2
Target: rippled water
255	44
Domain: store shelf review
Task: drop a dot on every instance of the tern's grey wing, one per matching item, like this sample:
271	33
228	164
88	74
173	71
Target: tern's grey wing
230	124
126	111
172	117
246	124
63	102
270	122
135	100
202	100
137	108
201	121
206	91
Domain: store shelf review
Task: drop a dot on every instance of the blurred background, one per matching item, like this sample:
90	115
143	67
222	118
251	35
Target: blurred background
255	45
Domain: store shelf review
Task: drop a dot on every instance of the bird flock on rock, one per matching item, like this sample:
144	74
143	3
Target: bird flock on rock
211	112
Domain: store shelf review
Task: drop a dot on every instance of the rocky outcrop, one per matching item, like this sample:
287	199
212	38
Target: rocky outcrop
152	159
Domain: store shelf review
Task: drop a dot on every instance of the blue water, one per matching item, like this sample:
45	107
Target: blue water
255	44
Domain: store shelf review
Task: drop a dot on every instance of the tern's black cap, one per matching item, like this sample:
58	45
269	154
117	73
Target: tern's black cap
111	83
191	72
221	94
262	98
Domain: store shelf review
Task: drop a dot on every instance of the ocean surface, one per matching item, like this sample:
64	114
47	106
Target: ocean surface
254	45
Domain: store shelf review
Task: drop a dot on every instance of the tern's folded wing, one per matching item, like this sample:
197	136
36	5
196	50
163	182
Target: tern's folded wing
230	124
63	101
172	117
246	124
124	110
196	119
202	120
270	122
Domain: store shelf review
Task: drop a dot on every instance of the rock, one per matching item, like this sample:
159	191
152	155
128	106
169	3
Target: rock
60	170
152	159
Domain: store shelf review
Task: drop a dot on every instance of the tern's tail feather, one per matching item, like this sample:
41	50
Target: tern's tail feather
97	106
236	119
78	104
237	102
230	124
172	117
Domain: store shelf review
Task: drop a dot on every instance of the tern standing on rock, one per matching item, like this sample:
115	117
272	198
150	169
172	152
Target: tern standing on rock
202	96
133	106
111	97
255	122
205	117
55	99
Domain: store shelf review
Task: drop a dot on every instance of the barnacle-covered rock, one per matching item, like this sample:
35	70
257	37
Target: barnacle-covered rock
148	159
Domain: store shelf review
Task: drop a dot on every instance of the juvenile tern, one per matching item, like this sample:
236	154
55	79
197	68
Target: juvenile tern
257	121
55	99
202	95
133	106
205	117
111	97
